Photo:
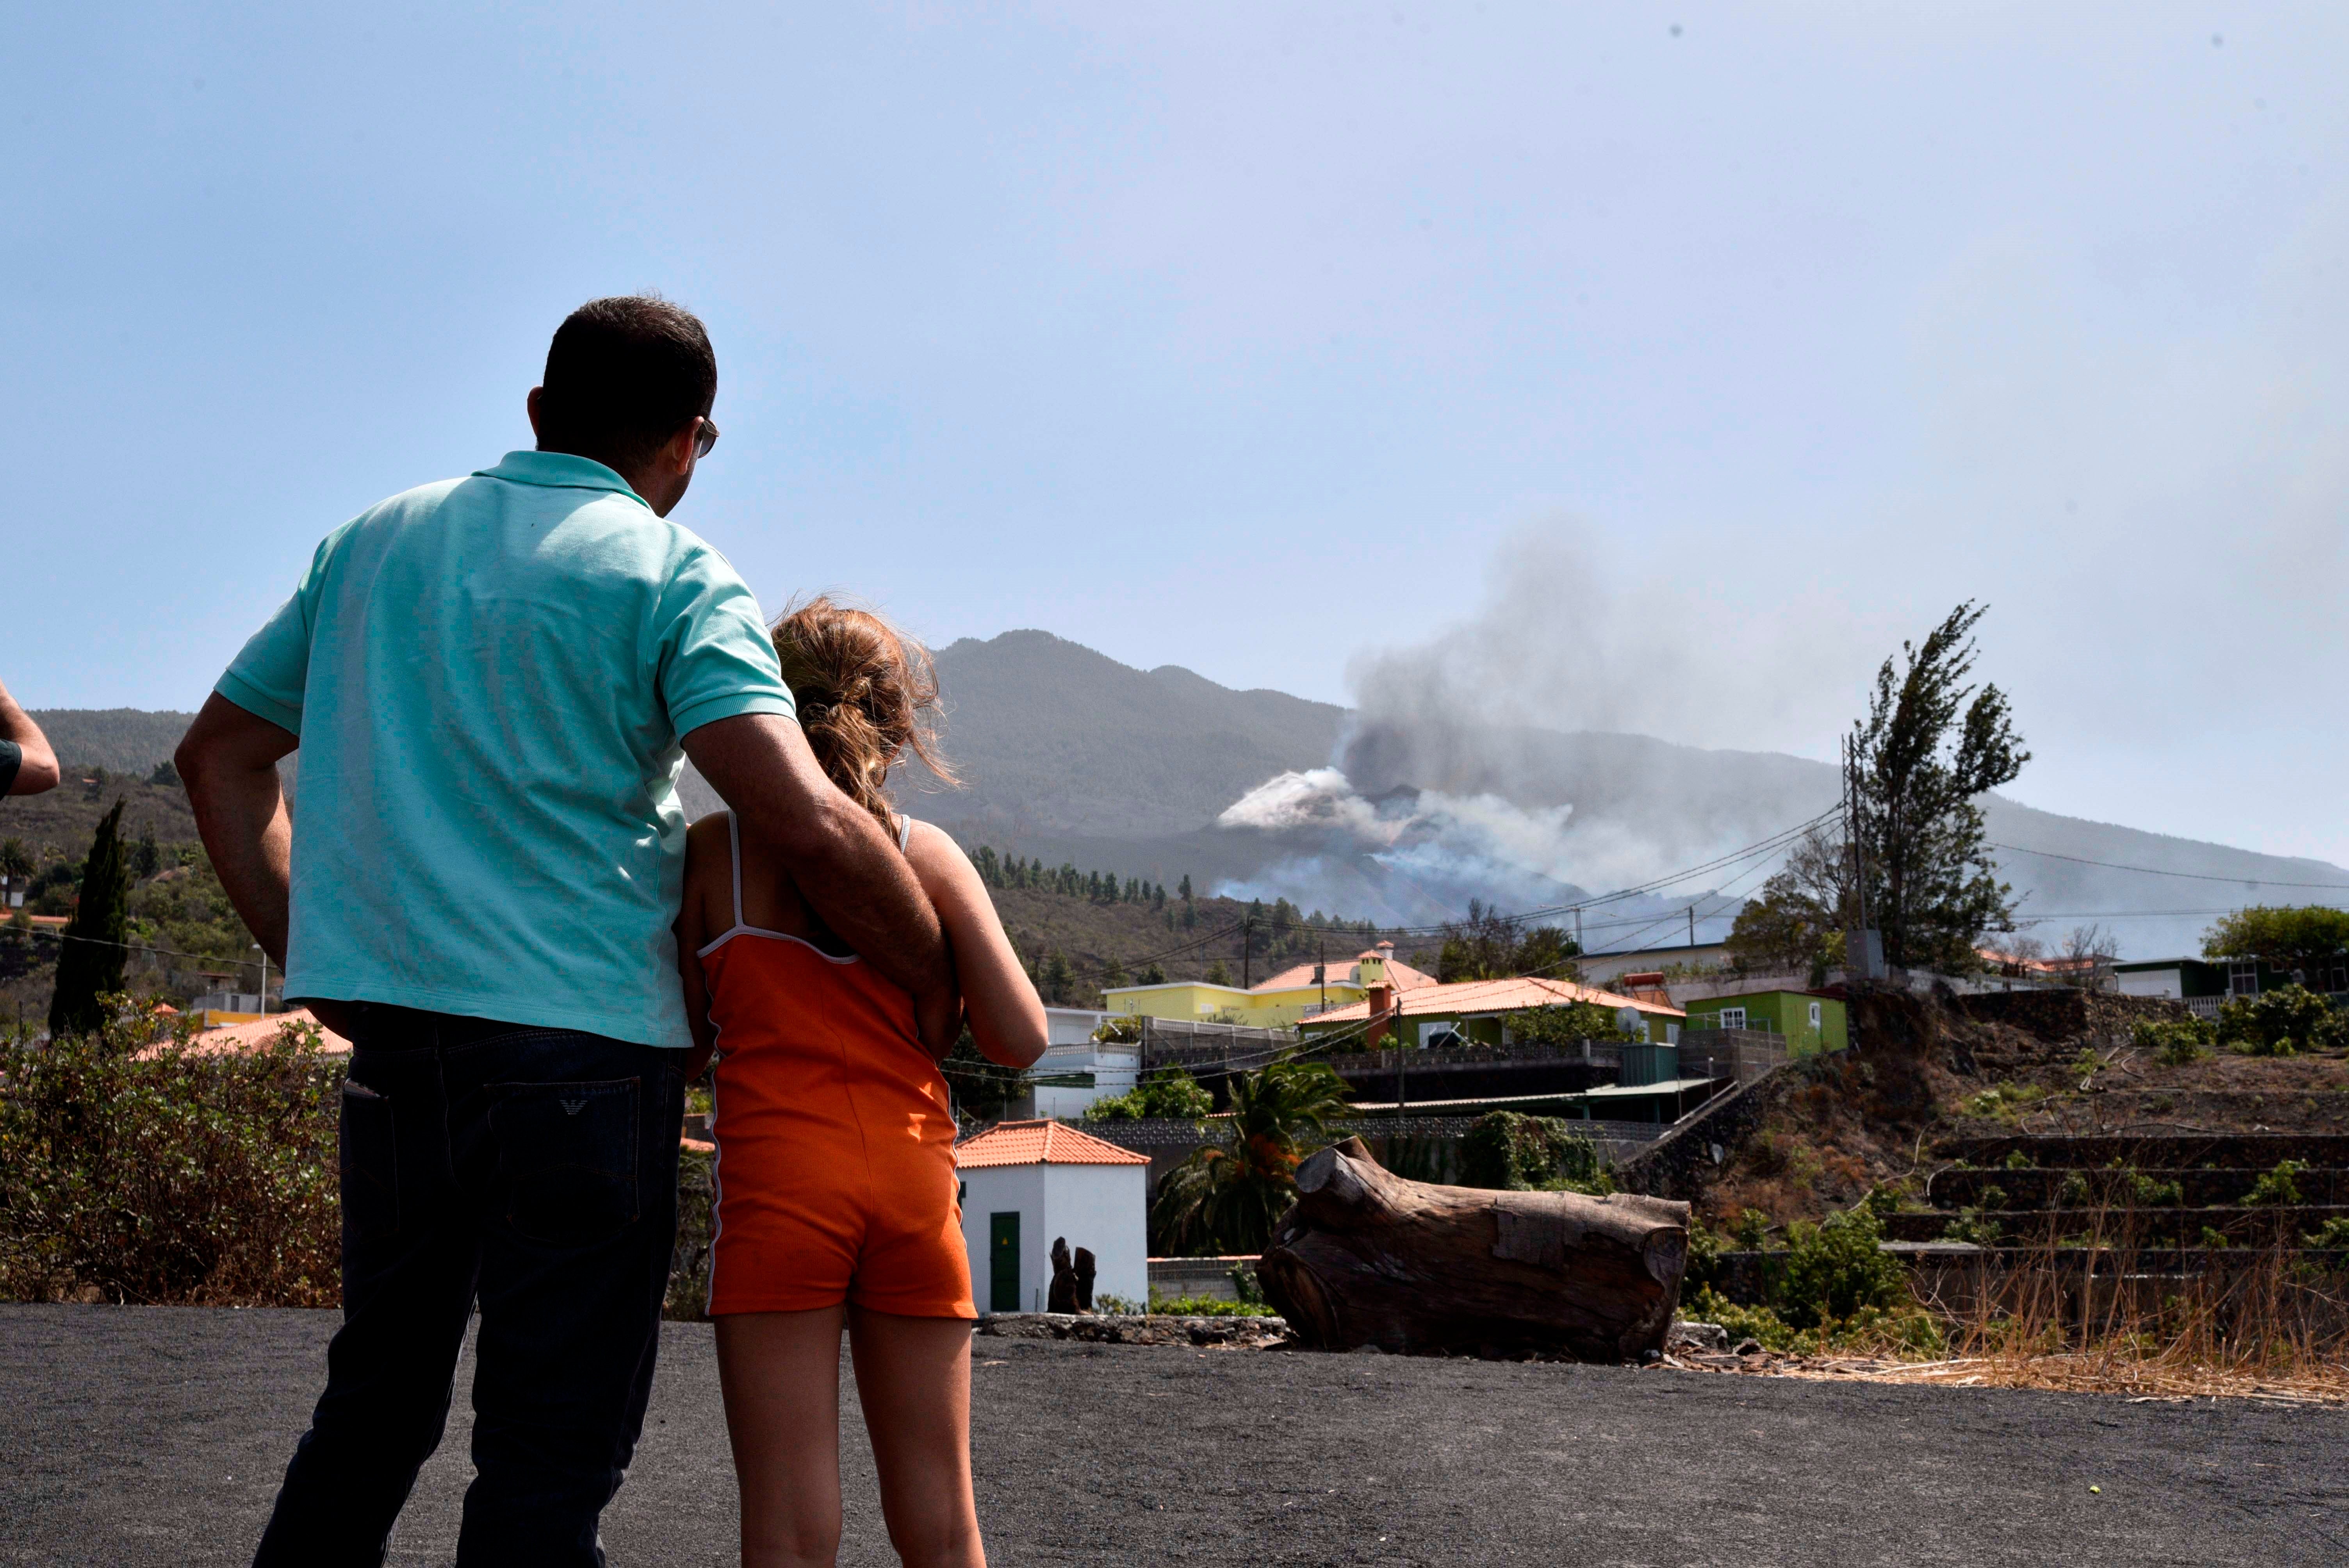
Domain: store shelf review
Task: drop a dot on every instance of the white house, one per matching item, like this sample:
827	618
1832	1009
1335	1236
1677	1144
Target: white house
1024	1184
1075	1069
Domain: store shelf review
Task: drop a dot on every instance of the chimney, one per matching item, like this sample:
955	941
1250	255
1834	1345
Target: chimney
1382	1011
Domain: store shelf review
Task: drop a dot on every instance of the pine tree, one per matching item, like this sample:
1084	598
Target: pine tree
1925	755
91	964
1186	889
1058	977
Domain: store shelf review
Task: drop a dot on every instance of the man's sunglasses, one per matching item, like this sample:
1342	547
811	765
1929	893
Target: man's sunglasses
705	437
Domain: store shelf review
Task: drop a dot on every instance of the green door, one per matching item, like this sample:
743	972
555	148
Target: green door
1003	1261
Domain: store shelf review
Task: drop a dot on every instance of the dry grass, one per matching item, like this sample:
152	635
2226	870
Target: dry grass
2265	1323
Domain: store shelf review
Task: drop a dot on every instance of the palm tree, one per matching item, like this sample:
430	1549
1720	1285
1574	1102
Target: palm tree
1225	1197
15	863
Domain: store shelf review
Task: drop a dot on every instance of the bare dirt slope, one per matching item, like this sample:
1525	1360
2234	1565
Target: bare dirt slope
1925	1072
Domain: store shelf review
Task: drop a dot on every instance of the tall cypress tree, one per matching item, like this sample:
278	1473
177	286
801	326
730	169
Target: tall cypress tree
92	965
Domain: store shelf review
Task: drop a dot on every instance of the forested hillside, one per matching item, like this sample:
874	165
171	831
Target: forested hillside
120	739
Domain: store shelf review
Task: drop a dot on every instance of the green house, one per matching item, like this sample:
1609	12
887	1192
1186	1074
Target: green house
1810	1022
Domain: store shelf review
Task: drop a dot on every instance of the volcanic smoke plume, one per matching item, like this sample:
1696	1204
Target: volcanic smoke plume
1493	761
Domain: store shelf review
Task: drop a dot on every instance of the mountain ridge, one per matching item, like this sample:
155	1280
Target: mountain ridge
1071	756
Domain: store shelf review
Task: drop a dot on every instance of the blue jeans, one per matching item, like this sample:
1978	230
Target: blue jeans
534	1171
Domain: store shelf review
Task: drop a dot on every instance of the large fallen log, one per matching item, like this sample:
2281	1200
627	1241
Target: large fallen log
1365	1257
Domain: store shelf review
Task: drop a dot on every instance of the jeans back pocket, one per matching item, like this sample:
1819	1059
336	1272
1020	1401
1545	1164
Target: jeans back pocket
567	1159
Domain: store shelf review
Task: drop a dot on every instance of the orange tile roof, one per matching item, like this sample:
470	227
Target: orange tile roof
1496	996
1040	1144
1297	977
258	1033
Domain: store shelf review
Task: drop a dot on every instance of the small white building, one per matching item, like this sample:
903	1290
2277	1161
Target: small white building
1076	1069
1026	1183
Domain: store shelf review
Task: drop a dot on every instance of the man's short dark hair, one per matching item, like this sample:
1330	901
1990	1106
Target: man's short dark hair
623	376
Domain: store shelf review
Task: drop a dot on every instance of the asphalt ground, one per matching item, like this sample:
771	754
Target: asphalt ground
138	1436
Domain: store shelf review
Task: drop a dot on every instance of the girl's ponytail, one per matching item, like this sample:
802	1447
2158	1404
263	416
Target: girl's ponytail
867	694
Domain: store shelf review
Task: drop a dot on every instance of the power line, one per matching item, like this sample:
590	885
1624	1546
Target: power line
2158	872
139	947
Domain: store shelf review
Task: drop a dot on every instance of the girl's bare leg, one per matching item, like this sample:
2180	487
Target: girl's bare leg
912	1377
780	1372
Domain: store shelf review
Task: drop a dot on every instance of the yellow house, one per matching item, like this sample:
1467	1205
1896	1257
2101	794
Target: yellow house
1274	1003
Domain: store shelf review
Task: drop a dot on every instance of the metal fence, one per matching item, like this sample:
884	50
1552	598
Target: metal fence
1741	1054
1178	1042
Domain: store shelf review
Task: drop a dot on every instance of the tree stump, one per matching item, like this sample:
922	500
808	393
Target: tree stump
1365	1257
1061	1295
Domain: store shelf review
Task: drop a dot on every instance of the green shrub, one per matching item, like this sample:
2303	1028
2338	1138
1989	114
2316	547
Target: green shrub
1903	1329
1706	1247
2281	1023
1523	1153
1834	1269
2016	1160
134	1170
2214	1239
2333	1236
1169	1092
2277	1189
1742	1323
2004	1101
1207	1306
1973	1225
1753	1230
2155	1194
2073	1191
2174	1042
1566	1024
687	1298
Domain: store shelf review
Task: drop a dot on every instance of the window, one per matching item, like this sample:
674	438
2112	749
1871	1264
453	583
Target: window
2243	978
1732	1018
1815	1017
1672	1033
1432	1035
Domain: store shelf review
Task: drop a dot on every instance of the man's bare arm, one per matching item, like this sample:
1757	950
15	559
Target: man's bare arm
228	761
38	769
847	869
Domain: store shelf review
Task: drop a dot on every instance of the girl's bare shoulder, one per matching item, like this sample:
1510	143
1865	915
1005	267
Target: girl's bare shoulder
938	860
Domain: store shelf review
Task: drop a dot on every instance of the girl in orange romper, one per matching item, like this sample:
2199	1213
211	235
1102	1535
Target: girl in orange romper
835	1170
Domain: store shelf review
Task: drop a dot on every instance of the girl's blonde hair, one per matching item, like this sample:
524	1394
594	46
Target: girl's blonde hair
866	693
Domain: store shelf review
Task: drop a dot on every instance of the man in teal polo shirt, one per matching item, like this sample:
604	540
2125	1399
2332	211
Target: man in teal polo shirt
491	681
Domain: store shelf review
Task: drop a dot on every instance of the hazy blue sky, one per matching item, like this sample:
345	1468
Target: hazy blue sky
1731	342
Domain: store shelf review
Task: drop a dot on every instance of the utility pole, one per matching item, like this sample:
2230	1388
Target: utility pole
1857	954
1247	950
1578	928
1691	926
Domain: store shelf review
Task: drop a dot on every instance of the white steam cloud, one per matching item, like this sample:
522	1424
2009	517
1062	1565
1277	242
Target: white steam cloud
1508	758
